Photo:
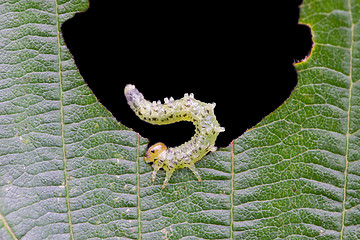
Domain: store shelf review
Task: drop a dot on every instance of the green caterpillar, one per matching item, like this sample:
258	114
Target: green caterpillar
186	109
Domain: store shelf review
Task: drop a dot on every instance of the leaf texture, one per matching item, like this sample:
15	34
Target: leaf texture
62	153
297	173
69	170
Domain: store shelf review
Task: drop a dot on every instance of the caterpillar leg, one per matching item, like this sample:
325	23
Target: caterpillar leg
156	169
167	178
193	169
212	148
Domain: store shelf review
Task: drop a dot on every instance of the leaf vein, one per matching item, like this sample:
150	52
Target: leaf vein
348	123
62	120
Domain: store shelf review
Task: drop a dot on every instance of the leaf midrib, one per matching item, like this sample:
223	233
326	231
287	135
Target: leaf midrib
138	185
232	192
348	123
62	119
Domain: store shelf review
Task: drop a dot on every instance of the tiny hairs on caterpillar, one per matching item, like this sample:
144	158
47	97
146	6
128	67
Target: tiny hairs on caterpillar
185	109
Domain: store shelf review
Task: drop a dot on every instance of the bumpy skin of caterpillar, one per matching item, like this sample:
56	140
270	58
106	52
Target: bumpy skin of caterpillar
185	109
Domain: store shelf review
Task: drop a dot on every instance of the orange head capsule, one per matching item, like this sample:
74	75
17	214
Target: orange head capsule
154	151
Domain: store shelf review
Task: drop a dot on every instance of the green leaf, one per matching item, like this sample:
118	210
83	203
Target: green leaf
69	170
297	173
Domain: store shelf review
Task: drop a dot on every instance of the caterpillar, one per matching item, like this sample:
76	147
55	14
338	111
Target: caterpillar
185	109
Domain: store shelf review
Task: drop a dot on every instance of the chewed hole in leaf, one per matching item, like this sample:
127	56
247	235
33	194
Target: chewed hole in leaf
243	65
303	40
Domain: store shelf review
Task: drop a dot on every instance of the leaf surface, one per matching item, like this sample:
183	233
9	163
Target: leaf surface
69	170
297	172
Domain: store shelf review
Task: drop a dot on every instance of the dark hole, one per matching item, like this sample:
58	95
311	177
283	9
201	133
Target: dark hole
240	57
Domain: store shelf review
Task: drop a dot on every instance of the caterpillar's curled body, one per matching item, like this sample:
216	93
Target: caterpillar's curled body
185	109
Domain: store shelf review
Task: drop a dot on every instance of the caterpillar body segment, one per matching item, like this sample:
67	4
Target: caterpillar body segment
171	111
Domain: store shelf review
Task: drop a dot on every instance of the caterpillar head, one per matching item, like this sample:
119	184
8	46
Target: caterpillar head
154	151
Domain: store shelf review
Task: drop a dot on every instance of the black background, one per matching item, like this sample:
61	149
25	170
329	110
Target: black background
238	56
